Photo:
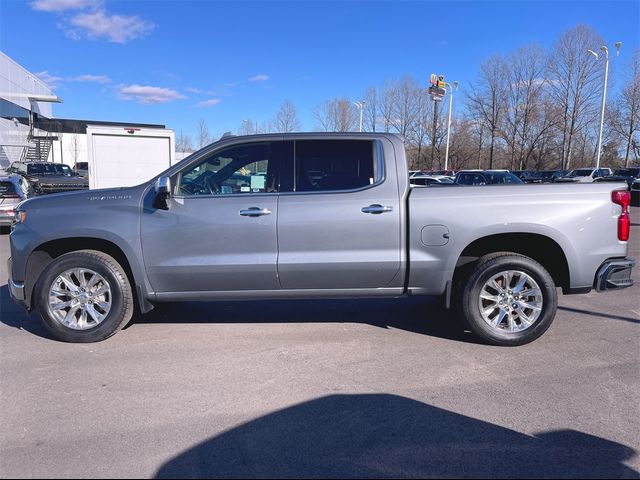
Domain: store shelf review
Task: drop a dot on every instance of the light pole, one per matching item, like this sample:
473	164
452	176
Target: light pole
360	105
605	50
446	153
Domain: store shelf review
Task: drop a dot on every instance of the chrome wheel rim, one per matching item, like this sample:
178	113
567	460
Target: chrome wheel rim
79	299
510	301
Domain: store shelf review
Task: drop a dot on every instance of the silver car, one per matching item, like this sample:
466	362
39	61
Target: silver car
13	190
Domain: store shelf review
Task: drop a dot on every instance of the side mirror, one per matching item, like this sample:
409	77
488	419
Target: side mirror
163	192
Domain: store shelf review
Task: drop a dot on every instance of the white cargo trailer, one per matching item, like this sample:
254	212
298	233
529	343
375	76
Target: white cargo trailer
126	156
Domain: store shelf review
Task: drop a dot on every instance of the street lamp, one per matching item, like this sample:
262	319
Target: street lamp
446	154
360	105
605	50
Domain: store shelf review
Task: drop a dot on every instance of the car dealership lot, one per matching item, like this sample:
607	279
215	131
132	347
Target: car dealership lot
378	388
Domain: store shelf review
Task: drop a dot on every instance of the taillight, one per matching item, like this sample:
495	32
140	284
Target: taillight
623	198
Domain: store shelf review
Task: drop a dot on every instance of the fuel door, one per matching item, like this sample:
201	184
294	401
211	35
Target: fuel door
434	235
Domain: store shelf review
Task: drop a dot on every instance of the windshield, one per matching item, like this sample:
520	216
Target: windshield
49	169
580	172
62	169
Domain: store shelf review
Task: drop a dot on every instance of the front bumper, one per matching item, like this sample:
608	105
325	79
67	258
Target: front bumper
615	274
16	289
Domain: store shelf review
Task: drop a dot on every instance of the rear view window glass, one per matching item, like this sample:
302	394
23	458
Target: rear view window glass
333	165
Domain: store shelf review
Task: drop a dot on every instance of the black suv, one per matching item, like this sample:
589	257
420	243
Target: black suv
46	177
486	177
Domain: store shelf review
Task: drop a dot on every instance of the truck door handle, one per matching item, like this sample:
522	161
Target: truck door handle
255	212
376	208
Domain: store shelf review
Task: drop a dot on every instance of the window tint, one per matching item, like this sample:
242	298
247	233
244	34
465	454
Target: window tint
465	179
48	169
61	169
239	169
330	165
580	172
471	179
502	177
18	168
7	188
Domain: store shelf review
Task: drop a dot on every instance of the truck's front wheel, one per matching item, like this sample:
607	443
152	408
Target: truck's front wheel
84	296
508	299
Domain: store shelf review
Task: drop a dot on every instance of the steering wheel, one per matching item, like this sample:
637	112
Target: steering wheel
211	185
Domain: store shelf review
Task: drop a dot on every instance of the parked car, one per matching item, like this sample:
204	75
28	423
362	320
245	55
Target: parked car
627	175
446	173
46	177
486	177
635	193
13	190
584	175
81	169
430	180
524	175
549	176
81	259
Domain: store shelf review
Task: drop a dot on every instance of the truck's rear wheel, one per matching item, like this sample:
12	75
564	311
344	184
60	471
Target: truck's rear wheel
508	299
84	296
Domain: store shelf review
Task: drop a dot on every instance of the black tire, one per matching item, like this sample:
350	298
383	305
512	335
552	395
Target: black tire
468	298
121	296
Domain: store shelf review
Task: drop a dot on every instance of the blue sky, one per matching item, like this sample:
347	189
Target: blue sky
176	62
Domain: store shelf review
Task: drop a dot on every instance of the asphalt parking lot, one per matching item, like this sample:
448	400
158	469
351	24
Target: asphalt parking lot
376	388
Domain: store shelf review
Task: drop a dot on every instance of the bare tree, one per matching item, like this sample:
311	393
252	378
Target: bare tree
421	127
203	134
541	136
337	115
387	104
184	143
322	114
524	94
74	147
487	100
462	151
249	127
405	105
574	77
626	121
286	118
370	109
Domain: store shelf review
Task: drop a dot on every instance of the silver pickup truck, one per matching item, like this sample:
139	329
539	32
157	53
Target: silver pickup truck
315	215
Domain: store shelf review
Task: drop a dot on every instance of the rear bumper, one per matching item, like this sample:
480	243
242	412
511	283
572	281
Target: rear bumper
16	289
615	274
6	218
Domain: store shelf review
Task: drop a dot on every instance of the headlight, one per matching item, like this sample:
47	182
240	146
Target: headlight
18	217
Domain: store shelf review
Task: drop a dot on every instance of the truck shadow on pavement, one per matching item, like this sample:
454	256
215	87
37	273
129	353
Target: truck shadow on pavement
418	314
14	316
600	314
389	436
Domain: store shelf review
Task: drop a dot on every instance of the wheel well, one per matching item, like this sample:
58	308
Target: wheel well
44	254
542	249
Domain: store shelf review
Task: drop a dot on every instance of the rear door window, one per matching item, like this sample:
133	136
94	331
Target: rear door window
334	165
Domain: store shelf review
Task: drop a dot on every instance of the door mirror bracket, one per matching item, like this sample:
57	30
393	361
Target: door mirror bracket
163	192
